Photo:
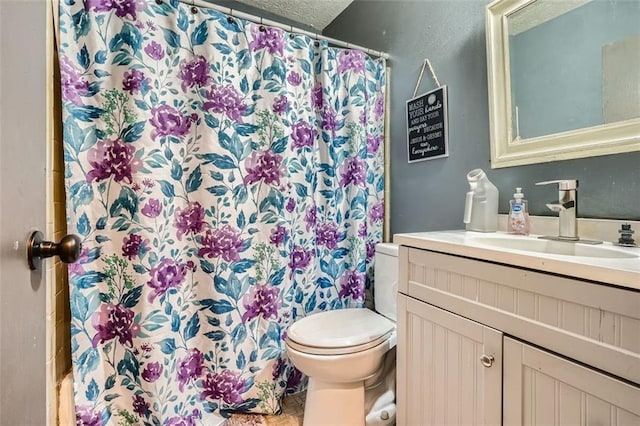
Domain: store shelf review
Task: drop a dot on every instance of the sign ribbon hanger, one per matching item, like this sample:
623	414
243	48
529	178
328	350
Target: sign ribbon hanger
433	74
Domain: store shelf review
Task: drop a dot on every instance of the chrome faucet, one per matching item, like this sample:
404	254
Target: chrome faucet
567	208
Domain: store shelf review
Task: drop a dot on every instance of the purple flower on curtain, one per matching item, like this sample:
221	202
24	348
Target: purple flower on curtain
299	259
373	143
294	379
135	81
76	268
180	421
329	121
191	265
123	8
316	95
113	158
376	213
225	99
154	50
263	166
152	372
168	121
194	73
71	82
291	205
128	8
363	117
362	230
378	110
222	242
85	416
294	78
189	219
267	37
112	321
262	300
353	171
352	285
327	235
152	209
167	274
371	250
189	368
311	217
303	135
280	104
278	368
140	406
351	60
278	235
98	5
226	385
133	245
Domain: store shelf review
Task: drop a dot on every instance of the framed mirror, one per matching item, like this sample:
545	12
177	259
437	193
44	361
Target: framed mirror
564	79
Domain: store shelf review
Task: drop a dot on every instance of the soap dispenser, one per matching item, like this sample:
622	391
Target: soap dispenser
518	222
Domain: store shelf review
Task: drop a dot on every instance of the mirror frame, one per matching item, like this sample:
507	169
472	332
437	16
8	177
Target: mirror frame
604	139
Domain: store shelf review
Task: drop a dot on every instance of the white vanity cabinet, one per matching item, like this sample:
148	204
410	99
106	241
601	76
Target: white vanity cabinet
487	343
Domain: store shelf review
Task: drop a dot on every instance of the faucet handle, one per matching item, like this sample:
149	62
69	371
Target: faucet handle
563	184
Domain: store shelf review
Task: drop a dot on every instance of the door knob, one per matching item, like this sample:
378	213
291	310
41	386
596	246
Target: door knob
68	249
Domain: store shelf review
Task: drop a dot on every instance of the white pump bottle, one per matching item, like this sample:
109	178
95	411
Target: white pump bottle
481	204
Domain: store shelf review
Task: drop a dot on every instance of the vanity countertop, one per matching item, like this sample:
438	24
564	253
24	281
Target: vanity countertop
624	272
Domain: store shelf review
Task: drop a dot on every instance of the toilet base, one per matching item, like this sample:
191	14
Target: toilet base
330	404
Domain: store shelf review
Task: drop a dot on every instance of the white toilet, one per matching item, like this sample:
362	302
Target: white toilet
343	351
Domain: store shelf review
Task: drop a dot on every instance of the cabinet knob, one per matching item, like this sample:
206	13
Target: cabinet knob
487	360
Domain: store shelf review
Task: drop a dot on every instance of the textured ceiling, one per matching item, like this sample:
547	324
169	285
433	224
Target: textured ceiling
315	13
540	12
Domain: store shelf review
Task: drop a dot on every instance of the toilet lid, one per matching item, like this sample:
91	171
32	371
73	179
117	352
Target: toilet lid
342	328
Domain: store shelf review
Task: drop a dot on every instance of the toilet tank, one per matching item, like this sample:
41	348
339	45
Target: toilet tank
385	279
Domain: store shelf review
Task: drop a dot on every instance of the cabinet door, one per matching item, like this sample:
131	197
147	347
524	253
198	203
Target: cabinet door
441	377
544	389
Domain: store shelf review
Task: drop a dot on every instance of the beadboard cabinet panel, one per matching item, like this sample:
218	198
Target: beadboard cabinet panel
439	364
541	388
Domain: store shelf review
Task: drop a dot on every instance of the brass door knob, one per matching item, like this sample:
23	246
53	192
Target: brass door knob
68	249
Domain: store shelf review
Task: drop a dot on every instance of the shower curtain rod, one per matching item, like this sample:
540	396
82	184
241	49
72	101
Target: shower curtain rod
292	29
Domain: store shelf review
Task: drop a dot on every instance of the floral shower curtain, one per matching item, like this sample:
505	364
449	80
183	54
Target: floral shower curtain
226	179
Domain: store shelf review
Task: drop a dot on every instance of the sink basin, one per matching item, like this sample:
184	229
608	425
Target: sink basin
563	248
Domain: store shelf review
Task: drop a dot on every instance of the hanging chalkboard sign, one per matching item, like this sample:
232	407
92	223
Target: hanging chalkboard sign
427	127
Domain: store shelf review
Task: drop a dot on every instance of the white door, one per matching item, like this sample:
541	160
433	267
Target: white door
22	208
544	389
449	368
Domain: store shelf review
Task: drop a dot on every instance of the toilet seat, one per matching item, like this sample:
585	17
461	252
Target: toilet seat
339	332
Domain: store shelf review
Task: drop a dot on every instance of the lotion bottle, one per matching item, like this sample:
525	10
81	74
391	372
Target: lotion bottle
518	222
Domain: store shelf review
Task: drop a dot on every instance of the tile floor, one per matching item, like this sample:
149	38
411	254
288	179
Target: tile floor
292	414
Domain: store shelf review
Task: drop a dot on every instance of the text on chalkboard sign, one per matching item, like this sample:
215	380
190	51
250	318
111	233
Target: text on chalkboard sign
427	127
